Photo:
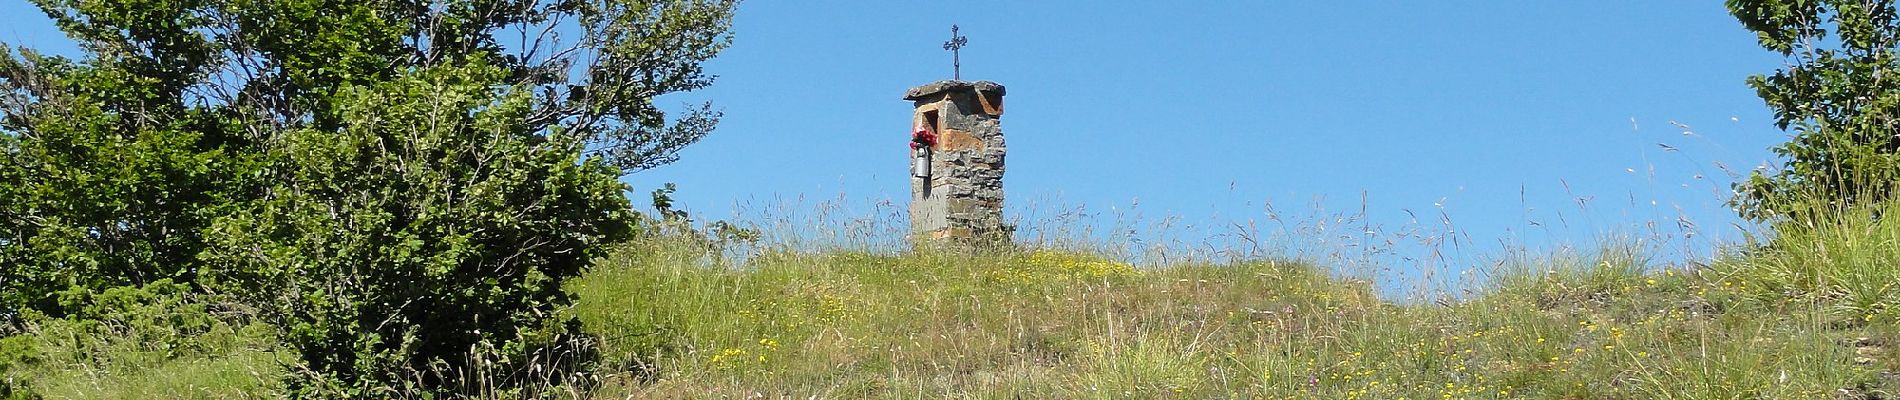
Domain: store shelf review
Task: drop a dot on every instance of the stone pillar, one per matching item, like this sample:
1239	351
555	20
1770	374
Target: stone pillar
960	195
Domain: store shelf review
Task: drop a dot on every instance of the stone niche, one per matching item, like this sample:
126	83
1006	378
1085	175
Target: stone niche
956	185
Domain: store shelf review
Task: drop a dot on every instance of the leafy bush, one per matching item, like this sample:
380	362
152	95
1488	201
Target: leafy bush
401	185
16	354
1845	118
108	178
421	232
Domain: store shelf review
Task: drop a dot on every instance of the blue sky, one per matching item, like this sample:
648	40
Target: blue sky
1501	112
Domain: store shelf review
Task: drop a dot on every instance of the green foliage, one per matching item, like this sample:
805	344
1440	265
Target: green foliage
432	224
401	185
17	354
108	177
1845	149
669	223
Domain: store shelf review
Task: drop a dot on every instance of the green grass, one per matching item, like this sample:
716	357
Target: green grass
134	344
1807	314
1049	324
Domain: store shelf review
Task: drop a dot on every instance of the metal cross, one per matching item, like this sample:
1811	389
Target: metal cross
956	60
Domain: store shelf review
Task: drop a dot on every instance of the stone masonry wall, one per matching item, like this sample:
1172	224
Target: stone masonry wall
963	195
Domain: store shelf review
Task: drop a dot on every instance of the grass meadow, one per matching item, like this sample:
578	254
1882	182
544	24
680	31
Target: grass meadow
685	313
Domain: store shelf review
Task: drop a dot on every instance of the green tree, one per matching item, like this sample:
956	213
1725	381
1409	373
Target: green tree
402	183
429	236
1838	95
109	174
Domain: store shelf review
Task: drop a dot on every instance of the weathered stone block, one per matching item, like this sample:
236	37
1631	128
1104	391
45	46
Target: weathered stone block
992	103
958	141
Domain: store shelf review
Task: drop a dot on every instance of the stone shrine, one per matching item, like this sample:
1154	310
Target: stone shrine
957	161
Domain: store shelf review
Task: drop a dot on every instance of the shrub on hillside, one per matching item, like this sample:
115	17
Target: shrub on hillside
1845	149
401	185
423	241
108	175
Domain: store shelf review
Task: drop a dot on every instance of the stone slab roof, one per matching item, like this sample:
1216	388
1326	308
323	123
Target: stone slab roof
950	85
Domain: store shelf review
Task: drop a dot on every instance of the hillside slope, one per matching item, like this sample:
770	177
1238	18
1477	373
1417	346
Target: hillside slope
1052	324
1807	315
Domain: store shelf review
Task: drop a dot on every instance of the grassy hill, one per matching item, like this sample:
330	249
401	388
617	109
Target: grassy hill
1051	324
1807	315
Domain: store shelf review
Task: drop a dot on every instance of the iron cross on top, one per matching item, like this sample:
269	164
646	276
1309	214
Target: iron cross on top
955	43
